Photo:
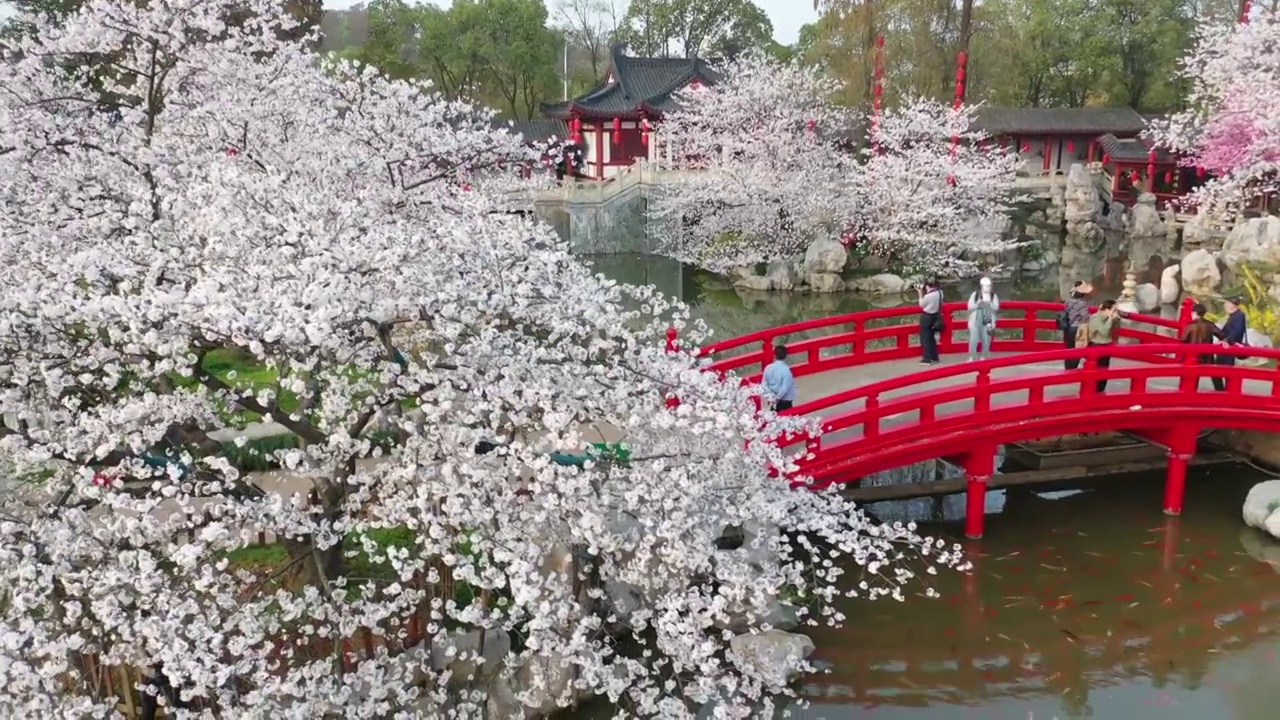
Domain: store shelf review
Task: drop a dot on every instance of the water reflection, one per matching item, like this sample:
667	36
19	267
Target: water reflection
1090	605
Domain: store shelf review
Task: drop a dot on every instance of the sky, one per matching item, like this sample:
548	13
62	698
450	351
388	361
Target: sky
787	15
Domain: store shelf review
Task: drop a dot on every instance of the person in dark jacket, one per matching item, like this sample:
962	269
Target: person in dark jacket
930	321
1202	331
1075	316
1235	332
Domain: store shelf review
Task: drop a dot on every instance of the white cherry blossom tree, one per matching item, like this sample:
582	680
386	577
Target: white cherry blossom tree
1230	128
758	168
933	192
206	234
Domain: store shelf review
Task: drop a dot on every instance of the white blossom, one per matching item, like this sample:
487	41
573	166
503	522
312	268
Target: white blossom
934	192
176	191
767	162
761	166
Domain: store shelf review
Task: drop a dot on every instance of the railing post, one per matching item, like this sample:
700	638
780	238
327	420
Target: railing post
1185	314
1190	381
871	425
859	345
982	398
1029	338
766	353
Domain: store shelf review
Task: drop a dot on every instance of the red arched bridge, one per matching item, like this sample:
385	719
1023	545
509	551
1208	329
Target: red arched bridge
879	412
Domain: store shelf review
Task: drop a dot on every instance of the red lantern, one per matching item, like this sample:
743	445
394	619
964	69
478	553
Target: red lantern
232	152
1106	159
575	125
466	187
1071	146
951	180
811	124
1136	177
644	131
1168	177
1201	172
617	131
1026	147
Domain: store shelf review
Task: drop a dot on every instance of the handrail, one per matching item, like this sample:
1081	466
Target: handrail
1020	315
1185	368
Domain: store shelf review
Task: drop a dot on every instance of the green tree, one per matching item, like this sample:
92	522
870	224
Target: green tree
694	28
1144	41
497	52
516	49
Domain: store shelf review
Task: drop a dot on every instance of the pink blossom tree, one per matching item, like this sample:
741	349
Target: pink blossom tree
757	170
217	237
933	192
1230	128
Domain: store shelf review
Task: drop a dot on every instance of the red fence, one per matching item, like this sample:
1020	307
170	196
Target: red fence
873	336
889	426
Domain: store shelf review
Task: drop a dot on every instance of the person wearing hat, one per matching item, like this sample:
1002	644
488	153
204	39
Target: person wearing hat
983	306
1202	331
1235	333
1075	315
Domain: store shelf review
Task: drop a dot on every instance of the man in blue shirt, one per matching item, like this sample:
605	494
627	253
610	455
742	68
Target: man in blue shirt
1235	331
779	381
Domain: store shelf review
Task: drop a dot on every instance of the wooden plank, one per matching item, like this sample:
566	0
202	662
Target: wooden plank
1031	477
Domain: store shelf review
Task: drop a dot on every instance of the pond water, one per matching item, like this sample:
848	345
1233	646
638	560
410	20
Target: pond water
1086	603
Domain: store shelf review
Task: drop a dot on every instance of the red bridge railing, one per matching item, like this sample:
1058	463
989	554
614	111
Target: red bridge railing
872	336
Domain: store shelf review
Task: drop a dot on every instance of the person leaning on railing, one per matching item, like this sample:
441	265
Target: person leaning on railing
1102	333
1202	331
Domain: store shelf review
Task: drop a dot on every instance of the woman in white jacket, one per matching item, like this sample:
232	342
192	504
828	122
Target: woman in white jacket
983	306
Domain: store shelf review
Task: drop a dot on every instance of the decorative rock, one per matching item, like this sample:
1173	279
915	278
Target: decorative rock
1200	274
1147	297
1254	241
882	284
550	679
757	283
1169	287
774	655
825	282
1144	220
1081	210
1262	508
781	275
461	653
825	255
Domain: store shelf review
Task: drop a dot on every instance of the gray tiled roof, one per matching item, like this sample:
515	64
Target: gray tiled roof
1132	150
1120	121
637	83
537	130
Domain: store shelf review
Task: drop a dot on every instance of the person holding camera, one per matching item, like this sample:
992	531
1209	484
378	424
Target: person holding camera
930	321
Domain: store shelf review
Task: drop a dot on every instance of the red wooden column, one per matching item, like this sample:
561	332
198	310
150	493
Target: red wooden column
979	466
599	151
1182	447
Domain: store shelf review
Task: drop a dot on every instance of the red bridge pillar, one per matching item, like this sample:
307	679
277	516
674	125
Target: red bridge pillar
979	466
1182	447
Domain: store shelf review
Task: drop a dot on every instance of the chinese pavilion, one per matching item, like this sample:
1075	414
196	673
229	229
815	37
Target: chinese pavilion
612	121
1051	140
